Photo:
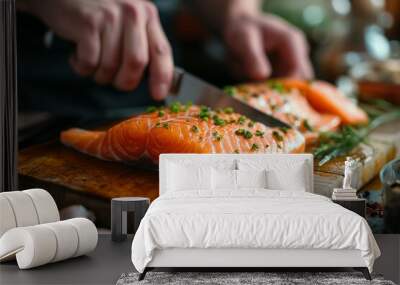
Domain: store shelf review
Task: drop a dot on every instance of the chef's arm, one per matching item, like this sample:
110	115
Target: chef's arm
251	38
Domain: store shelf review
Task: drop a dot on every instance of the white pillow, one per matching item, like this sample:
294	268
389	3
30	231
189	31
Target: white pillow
289	173
280	180
224	179
251	178
183	178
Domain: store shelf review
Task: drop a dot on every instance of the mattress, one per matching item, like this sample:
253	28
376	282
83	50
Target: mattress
251	219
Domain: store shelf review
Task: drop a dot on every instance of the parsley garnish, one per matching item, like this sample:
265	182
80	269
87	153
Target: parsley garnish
217	136
151	109
230	90
244	133
276	85
307	126
250	124
239	132
241	120
204	113
228	110
259	133
165	125
277	136
175	107
284	129
254	147
218	121
161	113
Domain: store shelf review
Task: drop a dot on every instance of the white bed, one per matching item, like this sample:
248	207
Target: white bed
200	223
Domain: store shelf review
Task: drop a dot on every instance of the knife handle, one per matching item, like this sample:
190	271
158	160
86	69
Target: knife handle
176	81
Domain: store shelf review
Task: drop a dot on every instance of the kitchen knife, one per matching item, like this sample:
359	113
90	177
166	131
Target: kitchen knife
189	88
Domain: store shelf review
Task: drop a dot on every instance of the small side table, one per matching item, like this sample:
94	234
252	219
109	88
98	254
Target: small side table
357	206
119	208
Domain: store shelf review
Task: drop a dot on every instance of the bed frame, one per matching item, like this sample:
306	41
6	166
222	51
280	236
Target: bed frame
246	259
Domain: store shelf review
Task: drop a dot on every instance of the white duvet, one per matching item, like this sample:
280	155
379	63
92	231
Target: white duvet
250	219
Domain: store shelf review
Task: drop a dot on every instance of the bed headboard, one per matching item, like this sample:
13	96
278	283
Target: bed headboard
277	161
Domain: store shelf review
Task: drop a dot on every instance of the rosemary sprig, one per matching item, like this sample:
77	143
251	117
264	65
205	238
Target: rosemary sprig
335	144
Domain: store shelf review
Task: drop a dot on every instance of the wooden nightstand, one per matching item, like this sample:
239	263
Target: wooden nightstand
357	205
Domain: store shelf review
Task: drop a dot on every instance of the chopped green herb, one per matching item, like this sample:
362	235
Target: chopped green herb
341	143
248	135
228	110
158	124
194	129
175	107
254	147
240	132
307	126
250	124
241	120
161	113
245	133
217	136
165	125
259	133
277	136
276	85
218	121
284	129
151	109
205	113
230	90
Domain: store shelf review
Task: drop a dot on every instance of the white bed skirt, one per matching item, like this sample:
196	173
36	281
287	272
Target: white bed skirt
235	257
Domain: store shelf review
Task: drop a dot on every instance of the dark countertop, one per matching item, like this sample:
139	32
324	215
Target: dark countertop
102	266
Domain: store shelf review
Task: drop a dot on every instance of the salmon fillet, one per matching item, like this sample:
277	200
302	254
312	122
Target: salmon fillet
182	129
287	105
326	98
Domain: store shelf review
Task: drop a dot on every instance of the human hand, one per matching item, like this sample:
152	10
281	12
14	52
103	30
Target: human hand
116	40
261	45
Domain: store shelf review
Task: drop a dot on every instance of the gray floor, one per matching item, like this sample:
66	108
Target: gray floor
110	260
103	266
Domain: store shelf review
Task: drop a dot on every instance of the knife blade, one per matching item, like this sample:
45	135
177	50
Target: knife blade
189	88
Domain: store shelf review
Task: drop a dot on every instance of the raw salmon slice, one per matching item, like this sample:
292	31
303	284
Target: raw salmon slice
326	98
289	106
186	130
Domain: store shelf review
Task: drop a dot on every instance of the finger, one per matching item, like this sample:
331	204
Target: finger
87	55
289	45
135	55
110	46
161	62
294	52
245	43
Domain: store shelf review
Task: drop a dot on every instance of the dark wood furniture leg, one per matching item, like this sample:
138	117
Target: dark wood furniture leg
364	271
